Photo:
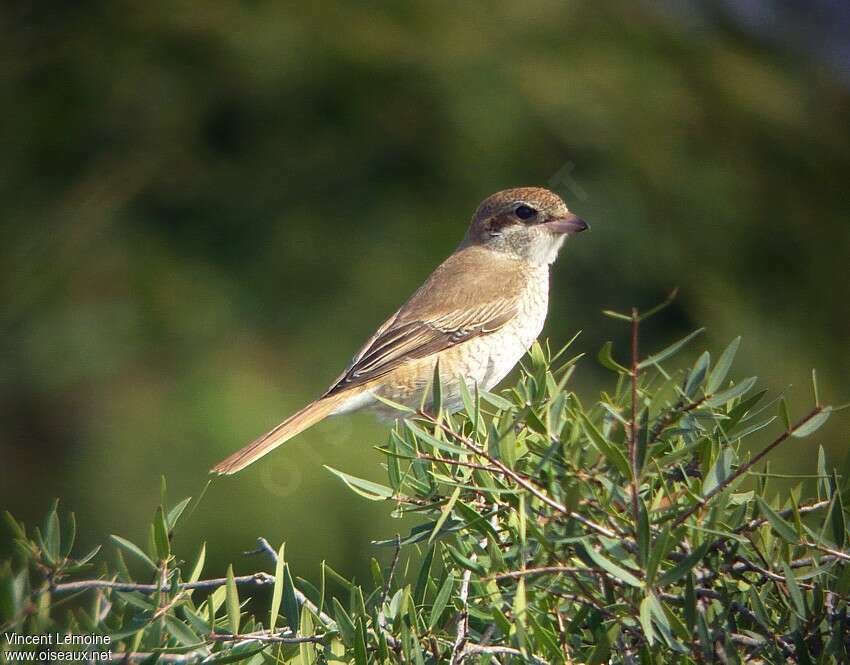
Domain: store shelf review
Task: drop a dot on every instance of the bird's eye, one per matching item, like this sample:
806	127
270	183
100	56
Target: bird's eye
524	212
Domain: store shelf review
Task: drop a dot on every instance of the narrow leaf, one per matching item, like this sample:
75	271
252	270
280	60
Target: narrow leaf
669	351
277	592
133	549
813	424
365	488
721	369
232	600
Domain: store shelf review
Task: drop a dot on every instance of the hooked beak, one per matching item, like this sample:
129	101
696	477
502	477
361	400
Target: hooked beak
568	225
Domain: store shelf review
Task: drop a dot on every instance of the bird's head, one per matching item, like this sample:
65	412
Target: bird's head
530	223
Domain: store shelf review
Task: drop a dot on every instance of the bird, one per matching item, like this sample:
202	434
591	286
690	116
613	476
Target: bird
473	319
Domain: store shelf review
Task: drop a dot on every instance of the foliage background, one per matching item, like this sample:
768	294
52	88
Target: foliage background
206	208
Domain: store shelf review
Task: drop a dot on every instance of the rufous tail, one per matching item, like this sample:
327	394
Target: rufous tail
295	424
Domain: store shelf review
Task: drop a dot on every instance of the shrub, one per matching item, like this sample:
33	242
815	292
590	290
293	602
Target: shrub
630	528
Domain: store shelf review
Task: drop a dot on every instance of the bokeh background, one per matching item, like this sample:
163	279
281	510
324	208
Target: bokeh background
206	207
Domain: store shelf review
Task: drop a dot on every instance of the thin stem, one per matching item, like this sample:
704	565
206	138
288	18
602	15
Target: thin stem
462	619
633	425
265	637
543	570
256	579
482	650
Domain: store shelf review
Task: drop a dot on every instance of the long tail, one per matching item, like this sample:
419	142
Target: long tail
295	424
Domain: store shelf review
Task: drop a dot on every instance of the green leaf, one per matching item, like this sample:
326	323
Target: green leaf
720	472
198	568
290	601
780	526
606	359
181	632
794	590
495	400
721	369
697	374
277	592
812	424
52	531
607	565
441	601
306	650
437	389
683	567
160	535
613	454
343	622
424	576
646	619
68	534
465	562
175	513
669	351
232	600
729	394
433	441
836	510
519	610
360	657
786	416
444	514
365	488
133	549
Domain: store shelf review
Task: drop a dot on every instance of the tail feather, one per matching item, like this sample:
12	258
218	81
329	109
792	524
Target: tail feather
295	424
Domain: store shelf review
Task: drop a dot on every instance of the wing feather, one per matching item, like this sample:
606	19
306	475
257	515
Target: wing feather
459	301
398	343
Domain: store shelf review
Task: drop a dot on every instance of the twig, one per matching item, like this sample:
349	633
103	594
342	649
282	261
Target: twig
194	656
802	510
838	554
388	581
543	570
741	470
256	579
463	618
481	650
141	656
265	637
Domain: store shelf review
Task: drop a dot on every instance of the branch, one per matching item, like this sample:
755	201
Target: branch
141	656
266	637
462	619
256	579
543	570
481	650
286	637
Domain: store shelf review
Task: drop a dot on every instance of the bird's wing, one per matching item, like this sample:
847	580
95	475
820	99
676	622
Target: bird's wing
452	307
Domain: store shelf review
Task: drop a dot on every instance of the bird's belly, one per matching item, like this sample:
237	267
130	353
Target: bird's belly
481	361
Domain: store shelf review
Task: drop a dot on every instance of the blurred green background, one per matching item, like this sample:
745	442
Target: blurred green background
207	207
